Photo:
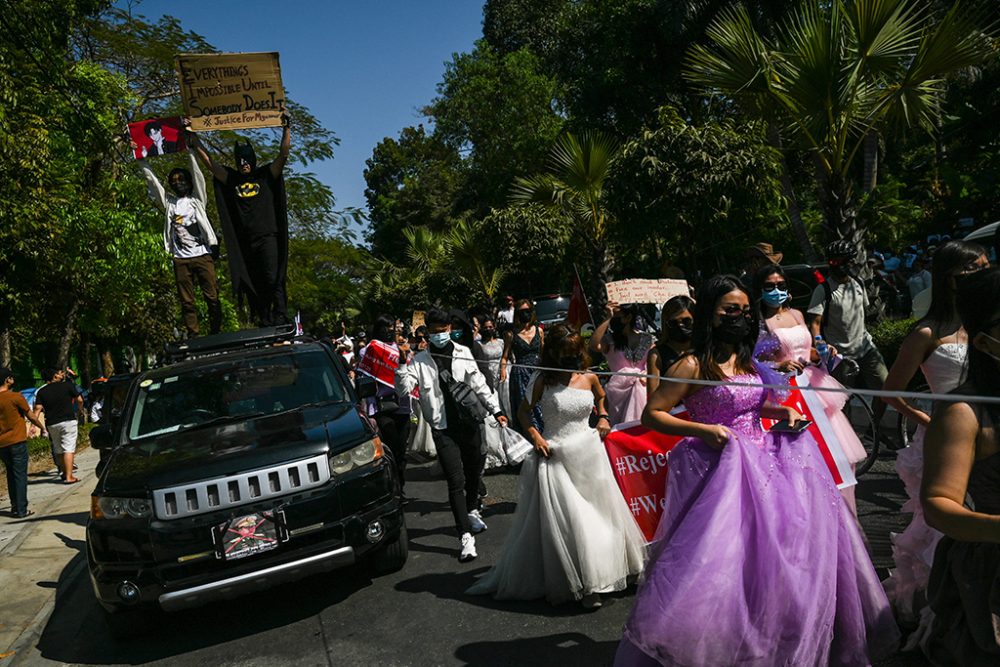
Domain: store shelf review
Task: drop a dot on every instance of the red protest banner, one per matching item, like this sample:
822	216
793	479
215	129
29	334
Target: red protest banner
810	406
380	361
157	136
639	462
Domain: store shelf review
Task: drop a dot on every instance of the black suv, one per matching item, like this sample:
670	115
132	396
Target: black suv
245	463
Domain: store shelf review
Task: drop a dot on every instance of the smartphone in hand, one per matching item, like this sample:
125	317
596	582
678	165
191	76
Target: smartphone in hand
784	427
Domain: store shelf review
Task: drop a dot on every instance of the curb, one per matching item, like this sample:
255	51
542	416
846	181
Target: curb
19	650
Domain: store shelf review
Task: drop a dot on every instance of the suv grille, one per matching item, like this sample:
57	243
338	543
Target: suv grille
213	495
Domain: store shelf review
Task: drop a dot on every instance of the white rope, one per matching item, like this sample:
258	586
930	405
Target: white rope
875	393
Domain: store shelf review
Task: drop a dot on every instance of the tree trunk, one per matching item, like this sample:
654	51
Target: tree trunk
871	162
85	366
791	203
69	332
600	271
107	359
5	354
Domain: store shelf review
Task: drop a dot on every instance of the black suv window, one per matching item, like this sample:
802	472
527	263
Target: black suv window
230	390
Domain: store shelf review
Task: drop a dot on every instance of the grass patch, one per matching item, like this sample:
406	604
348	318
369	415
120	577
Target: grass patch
41	448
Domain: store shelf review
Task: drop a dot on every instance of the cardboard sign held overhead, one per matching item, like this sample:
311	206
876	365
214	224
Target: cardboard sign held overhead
231	91
646	291
157	136
418	320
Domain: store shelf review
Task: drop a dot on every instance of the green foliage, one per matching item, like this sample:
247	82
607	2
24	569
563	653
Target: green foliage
533	243
717	182
324	273
888	336
501	112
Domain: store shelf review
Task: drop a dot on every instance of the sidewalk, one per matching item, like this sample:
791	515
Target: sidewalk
35	553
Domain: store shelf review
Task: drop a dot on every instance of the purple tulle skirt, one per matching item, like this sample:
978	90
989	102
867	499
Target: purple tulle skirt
757	562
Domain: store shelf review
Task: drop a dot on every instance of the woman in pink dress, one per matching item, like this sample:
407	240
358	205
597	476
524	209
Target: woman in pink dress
938	347
787	344
624	341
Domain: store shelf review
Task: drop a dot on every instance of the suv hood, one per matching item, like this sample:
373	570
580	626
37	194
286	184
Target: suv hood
230	448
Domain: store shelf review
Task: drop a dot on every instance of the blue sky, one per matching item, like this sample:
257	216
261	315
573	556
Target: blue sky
363	68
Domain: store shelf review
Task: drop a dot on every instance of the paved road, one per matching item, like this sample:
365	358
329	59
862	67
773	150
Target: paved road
418	616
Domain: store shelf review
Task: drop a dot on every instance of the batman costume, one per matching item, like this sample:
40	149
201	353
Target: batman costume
254	216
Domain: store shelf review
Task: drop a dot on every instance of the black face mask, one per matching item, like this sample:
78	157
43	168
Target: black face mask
679	332
732	328
245	153
524	316
569	363
488	334
181	188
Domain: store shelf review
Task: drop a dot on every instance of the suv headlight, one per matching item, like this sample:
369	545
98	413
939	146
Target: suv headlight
362	455
108	507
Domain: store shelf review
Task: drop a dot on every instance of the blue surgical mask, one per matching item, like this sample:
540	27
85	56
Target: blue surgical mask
439	339
774	298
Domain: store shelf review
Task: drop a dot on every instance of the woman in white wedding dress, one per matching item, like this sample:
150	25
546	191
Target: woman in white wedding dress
573	536
938	346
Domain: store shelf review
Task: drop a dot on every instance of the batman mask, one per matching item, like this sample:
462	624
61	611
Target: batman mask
244	154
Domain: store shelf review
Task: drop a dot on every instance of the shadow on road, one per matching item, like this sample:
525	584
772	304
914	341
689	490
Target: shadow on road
78	633
567	648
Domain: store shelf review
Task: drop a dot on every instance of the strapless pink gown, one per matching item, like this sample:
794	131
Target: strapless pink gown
795	344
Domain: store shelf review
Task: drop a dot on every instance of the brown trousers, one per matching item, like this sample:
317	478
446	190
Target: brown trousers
201	269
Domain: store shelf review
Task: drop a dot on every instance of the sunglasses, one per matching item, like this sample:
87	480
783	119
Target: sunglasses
734	309
770	287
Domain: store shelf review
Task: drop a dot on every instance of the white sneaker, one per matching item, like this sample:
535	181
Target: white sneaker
468	548
476	521
591	601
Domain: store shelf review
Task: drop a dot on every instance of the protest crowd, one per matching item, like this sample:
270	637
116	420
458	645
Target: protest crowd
676	447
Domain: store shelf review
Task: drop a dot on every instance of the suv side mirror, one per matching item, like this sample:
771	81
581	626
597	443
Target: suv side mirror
365	386
100	437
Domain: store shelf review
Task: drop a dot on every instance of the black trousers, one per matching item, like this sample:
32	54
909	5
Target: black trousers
263	264
461	458
395	430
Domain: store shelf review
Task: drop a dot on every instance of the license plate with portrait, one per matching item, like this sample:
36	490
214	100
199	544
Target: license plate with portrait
247	535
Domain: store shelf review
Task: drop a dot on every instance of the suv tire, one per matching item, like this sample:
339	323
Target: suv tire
393	556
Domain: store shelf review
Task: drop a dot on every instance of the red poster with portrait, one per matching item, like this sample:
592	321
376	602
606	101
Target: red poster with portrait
157	136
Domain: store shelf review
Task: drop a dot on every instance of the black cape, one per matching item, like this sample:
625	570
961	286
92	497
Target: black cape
238	244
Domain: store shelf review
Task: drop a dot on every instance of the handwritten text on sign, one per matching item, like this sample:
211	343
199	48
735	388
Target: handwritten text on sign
231	91
646	291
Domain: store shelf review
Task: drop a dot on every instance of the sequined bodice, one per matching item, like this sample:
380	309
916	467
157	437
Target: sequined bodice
737	407
527	353
566	409
944	368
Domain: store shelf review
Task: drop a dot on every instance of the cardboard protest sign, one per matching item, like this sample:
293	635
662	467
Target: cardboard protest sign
639	462
810	406
646	291
418	320
157	136
231	91
380	362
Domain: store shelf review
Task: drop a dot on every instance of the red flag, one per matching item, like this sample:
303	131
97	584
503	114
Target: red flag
578	313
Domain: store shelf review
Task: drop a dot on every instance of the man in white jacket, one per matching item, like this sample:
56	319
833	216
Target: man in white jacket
189	239
458	445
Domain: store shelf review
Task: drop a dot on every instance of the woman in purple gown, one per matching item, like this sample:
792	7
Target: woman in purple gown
757	560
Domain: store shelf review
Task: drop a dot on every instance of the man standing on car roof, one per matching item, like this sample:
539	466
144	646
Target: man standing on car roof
254	216
14	443
458	446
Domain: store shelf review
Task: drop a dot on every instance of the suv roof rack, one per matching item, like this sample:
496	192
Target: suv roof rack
230	342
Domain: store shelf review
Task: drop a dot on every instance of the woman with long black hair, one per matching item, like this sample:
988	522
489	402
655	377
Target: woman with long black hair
523	344
961	493
757	561
938	346
676	325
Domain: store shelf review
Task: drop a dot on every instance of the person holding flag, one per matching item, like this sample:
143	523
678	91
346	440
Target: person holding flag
391	411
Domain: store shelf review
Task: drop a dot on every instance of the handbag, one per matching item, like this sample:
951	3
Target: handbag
470	407
515	445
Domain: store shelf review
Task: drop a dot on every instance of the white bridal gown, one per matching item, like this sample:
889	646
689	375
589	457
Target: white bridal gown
572	533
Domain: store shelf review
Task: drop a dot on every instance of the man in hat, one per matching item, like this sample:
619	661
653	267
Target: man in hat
254	217
758	256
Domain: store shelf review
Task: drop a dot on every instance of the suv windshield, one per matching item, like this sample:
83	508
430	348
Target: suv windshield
233	390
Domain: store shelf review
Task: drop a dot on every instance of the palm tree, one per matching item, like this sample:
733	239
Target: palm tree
838	75
574	186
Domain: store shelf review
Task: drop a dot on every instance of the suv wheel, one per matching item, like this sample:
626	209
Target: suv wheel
393	556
